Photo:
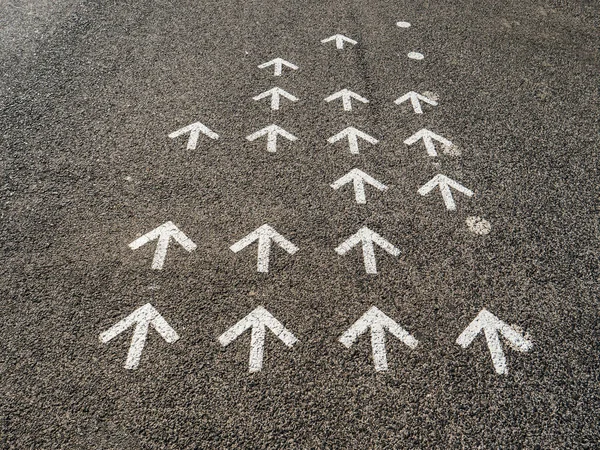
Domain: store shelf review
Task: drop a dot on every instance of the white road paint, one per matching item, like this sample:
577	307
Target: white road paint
378	323
278	64
264	235
272	131
275	94
339	40
428	137
492	326
416	99
346	96
367	237
416	55
194	130
352	134
445	184
258	320
478	225
142	318
163	233
403	24
358	178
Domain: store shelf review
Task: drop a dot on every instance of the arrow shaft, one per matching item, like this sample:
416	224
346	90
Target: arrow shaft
369	256
264	251
161	251
447	196
353	143
359	191
257	346
493	342
416	104
275	101
430	146
378	347
138	341
347	102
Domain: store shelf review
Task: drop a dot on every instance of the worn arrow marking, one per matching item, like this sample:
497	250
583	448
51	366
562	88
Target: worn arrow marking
445	184
367	238
339	40
264	234
194	130
271	131
278	64
492	326
358	178
258	320
163	233
275	94
415	99
346	97
352	134
142	317
428	137
377	322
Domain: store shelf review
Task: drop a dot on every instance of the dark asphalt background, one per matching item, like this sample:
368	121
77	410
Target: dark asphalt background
90	91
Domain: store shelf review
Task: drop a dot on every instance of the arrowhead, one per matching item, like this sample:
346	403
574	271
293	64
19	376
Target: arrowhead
278	63
275	93
194	130
358	178
445	184
346	97
415	99
428	137
367	237
264	235
352	134
272	131
339	40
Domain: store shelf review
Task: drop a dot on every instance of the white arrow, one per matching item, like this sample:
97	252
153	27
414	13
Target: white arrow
427	137
445	184
358	178
367	237
142	317
271	131
339	40
164	233
415	99
278	63
492	326
264	234
194	131
275	93
352	134
346	97
378	322
258	320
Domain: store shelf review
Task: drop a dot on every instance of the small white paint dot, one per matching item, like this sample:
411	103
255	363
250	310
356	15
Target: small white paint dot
478	225
128	179
415	55
403	24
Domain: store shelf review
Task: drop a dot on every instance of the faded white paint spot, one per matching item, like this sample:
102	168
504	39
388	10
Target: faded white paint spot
403	24
432	95
478	225
452	150
416	55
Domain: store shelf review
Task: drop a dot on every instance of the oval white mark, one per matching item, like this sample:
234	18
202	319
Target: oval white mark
478	225
403	24
415	55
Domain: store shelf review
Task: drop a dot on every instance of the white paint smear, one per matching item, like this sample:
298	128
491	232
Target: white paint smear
352	134
416	55
346	97
367	237
428	137
339	40
416	99
272	131
358	178
445	184
403	24
478	225
264	235
194	130
278	65
275	95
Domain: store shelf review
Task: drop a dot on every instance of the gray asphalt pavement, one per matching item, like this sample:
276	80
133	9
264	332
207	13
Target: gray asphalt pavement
90	92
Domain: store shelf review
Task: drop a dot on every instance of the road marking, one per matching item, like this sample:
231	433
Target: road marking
377	322
492	326
352	134
445	184
415	99
339	40
258	320
264	234
358	178
163	233
275	94
428	137
478	225
194	130
272	131
367	237
416	55
346	96
278	64
142	318
403	24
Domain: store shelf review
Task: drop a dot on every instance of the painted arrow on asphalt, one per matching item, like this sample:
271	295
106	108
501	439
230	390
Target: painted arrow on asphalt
415	99
258	320
492	327
272	131
378	323
339	40
264	235
445	184
358	178
194	130
278	64
352	134
275	94
428	137
346	97
163	233
367	238
142	318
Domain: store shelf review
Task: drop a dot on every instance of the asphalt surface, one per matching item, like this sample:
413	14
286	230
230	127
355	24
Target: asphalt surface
90	92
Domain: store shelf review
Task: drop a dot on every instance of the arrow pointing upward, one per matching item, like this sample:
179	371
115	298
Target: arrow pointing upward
142	317
415	99
271	131
339	40
358	178
445	184
367	238
264	234
194	130
428	137
258	320
352	134
278	64
275	93
492	326
163	233
378	322
346	97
